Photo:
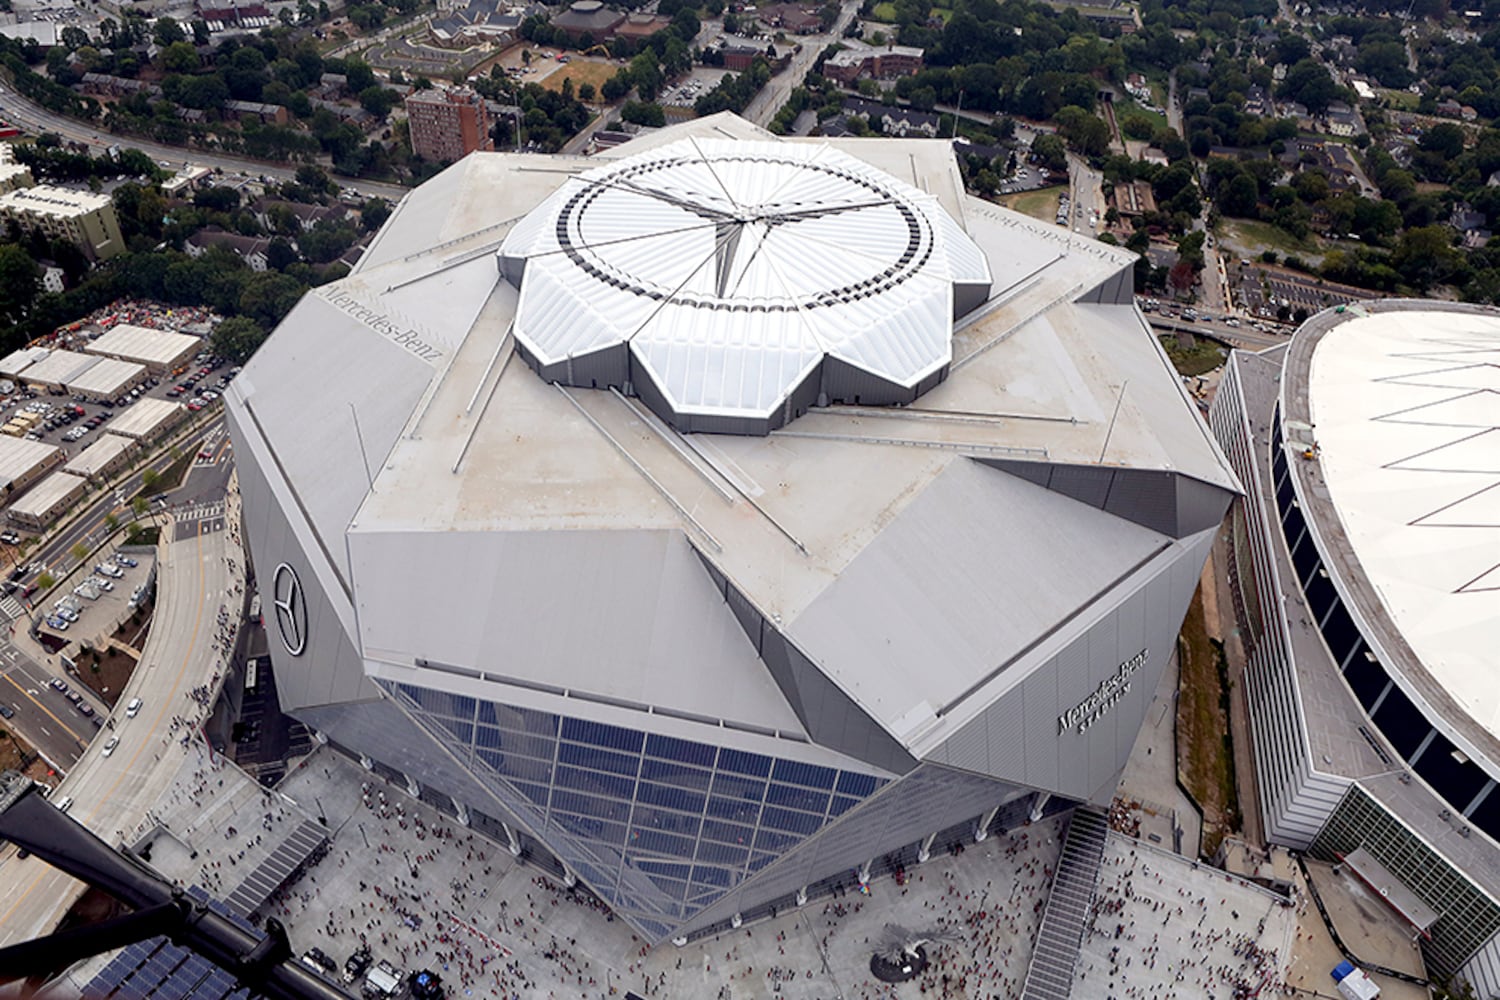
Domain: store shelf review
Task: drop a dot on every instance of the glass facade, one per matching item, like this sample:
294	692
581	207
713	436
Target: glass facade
659	827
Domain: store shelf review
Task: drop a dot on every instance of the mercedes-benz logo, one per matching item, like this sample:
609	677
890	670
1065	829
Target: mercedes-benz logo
291	609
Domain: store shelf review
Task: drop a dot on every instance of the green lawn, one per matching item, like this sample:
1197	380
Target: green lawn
943	12
1039	204
885	11
1254	236
1403	99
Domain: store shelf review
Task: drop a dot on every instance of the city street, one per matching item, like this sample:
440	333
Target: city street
33	118
773	95
199	577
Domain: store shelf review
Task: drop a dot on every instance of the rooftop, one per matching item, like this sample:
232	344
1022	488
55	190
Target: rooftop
144	416
1405	408
107	376
97	456
19	456
44	199
48	493
140	343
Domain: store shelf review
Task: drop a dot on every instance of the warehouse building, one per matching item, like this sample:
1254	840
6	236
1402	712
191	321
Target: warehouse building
53	497
1367	561
100	461
712	620
23	462
159	350
148	420
16	362
107	378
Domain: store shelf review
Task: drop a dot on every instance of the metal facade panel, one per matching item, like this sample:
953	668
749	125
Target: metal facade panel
321	340
330	668
938	601
1087	484
1200	505
626	614
1147	497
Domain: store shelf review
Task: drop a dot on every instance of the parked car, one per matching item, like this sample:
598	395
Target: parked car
125	560
110	570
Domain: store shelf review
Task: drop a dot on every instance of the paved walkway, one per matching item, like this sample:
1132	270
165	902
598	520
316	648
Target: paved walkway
1166	928
427	893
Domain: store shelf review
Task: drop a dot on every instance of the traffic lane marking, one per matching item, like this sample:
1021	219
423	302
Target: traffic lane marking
44	708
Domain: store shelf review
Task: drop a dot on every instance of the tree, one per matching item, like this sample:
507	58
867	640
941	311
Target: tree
1050	152
111	521
151	479
79	552
179	57
20	283
166	30
236	338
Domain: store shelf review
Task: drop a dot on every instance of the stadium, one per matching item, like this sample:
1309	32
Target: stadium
1367	569
726	518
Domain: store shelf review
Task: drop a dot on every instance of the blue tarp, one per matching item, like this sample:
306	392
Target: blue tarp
1341	970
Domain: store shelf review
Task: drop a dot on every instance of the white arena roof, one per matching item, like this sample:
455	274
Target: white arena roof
733	268
157	348
1405	410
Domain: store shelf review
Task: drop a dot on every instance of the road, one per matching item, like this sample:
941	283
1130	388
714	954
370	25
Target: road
34	118
1085	195
112	794
43	717
773	95
1231	336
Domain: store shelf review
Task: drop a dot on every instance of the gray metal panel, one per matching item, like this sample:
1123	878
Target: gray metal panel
1146	496
1117	289
1024	740
1085	483
1200	505
845	383
323	456
630	615
330	669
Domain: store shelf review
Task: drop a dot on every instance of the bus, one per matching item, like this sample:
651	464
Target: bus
252	675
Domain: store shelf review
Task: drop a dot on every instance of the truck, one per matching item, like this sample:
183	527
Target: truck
383	980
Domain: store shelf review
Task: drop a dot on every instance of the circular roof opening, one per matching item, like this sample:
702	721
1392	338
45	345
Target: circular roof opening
733	284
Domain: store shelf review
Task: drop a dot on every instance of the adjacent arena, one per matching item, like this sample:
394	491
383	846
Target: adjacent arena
725	519
1367	556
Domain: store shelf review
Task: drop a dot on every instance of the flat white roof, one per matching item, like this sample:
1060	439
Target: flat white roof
16	362
139	343
18	457
59	367
60	203
143	417
60	487
107	376
105	449
1405	408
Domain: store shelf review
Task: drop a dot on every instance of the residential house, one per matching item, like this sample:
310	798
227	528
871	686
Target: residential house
892	120
250	249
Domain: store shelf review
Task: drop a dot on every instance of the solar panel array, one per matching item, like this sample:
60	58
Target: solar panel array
157	969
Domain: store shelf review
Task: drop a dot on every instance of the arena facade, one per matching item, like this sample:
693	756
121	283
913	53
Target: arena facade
725	518
1367	567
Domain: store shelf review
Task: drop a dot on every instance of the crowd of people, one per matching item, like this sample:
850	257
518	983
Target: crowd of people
1181	934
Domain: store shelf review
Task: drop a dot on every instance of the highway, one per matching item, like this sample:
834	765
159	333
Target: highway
34	118
112	794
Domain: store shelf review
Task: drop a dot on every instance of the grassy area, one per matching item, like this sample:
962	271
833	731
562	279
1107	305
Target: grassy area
171	477
1401	99
1203	356
885	11
581	71
1253	236
1205	758
1039	204
943	12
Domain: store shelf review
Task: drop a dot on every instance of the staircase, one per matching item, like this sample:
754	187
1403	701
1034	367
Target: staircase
1055	957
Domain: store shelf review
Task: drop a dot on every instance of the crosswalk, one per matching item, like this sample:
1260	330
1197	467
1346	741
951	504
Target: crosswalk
11	608
200	511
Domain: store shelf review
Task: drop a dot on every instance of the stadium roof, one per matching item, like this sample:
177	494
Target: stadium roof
733	269
1405	408
874	538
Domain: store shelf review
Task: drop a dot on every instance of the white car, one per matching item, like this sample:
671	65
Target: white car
133	709
109	747
110	570
104	584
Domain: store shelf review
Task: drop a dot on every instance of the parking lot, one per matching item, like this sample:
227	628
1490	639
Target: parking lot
1263	290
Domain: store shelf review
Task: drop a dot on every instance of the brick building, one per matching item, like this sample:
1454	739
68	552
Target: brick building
448	124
